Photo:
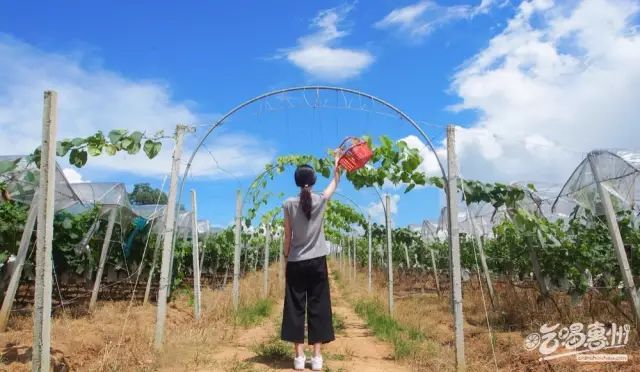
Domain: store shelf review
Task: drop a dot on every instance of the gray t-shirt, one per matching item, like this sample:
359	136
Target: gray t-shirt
307	240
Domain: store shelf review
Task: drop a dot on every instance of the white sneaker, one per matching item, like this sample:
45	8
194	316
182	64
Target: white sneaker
316	363
298	363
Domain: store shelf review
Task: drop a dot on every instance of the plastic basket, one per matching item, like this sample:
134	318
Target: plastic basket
355	154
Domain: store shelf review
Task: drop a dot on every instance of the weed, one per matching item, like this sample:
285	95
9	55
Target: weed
253	314
241	366
273	350
404	339
338	323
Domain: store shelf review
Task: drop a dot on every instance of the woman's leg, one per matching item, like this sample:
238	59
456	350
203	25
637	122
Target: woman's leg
319	305
316	349
299	348
294	307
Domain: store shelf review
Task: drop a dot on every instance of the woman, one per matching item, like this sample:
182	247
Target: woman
305	251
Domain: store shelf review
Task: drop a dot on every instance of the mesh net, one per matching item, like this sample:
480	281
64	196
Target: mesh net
22	182
618	171
150	211
107	195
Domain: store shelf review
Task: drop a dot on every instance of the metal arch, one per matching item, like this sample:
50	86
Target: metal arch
304	88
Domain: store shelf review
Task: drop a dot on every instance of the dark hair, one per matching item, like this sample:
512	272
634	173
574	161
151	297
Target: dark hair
305	177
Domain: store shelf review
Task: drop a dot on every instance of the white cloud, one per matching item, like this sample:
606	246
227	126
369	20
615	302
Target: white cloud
93	98
73	176
417	21
430	162
558	82
317	55
376	209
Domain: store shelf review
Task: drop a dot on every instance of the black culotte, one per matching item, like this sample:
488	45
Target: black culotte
307	289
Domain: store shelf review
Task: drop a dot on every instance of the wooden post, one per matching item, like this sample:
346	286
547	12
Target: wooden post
147	291
435	271
616	238
167	241
10	294
282	262
103	259
353	241
236	253
483	262
535	263
369	252
349	264
41	355
195	254
454	246
204	248
406	255
265	264
433	258
387	213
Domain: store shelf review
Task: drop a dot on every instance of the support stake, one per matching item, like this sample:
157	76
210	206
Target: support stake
103	259
454	246
236	253
369	252
41	356
10	294
265	264
387	214
616	238
195	254
167	242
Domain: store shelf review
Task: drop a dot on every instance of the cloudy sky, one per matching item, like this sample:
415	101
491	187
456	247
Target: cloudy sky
532	86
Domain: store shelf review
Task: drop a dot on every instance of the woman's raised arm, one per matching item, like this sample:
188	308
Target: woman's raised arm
337	172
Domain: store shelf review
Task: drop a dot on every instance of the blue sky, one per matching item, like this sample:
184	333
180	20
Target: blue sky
511	75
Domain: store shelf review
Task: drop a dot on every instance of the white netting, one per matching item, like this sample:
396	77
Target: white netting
107	195
618	171
23	180
149	211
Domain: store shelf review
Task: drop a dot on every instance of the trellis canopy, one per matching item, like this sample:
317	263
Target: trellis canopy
22	181
618	172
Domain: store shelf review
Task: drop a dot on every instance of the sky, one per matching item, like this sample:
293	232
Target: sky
531	86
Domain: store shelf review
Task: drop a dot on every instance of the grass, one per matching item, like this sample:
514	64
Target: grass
338	323
404	339
273	350
252	314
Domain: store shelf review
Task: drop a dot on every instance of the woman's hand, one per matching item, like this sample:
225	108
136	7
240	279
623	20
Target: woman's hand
337	154
331	188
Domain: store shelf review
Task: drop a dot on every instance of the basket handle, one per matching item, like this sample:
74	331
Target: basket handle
348	138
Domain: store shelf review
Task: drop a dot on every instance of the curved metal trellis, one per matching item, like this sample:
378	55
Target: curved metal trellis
317	89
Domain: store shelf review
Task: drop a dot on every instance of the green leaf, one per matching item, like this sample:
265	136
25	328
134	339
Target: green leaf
136	136
78	141
78	158
125	143
63	147
94	150
116	135
386	142
110	149
8	165
152	148
409	188
30	177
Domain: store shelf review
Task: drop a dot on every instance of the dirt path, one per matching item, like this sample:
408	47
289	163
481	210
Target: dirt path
355	347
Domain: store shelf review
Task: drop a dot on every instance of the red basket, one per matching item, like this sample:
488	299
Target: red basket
355	154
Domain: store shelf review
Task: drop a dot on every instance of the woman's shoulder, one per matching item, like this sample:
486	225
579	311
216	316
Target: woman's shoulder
291	200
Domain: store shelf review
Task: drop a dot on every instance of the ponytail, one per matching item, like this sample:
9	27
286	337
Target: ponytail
305	201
